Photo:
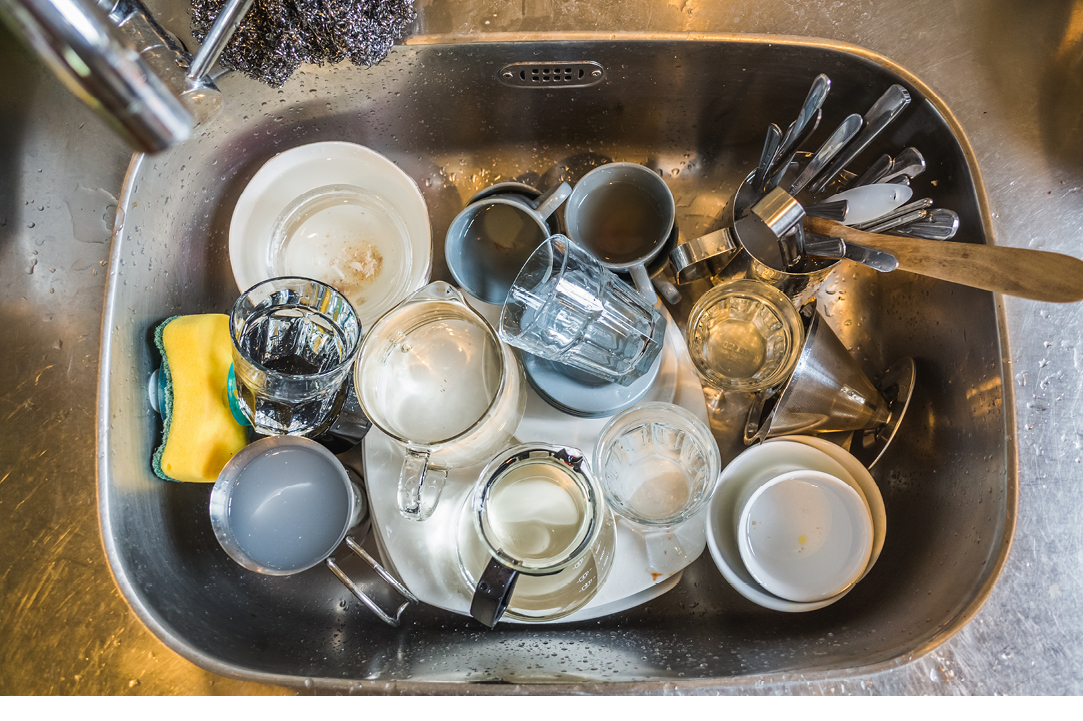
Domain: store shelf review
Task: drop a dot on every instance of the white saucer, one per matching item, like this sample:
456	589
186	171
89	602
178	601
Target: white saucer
423	554
863	478
299	170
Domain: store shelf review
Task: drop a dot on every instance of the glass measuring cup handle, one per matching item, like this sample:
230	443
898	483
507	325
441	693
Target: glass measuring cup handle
390	620
493	592
419	486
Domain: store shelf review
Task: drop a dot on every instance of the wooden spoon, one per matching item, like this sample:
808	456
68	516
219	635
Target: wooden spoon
1022	272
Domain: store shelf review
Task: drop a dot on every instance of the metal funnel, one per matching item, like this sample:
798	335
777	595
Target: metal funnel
827	392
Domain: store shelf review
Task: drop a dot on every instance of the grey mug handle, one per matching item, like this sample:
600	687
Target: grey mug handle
643	283
548	202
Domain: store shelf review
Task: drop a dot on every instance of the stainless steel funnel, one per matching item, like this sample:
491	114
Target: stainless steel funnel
827	392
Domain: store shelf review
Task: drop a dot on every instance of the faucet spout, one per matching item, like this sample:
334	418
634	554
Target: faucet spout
91	56
116	57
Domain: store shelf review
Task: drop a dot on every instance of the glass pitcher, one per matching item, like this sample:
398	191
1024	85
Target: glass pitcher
433	376
536	538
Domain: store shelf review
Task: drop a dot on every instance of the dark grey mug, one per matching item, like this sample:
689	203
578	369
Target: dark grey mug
623	214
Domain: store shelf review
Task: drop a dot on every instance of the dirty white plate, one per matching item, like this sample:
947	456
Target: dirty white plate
297	171
805	535
424	554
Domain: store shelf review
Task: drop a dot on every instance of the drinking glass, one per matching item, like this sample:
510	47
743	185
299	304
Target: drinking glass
565	307
744	336
294	340
657	464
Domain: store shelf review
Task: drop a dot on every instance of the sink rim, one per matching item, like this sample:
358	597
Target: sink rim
177	643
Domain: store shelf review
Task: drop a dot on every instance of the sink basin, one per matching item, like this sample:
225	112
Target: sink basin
692	107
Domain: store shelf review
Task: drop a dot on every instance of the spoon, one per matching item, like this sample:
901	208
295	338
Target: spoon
875	172
883	111
1022	272
870	202
908	164
767	156
898	212
940	224
791	142
787	158
824	247
834	143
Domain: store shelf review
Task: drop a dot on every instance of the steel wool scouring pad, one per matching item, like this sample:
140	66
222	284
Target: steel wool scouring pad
277	36
199	433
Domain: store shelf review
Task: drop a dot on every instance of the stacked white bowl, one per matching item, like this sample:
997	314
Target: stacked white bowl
795	522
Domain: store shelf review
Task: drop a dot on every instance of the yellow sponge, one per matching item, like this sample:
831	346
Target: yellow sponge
200	434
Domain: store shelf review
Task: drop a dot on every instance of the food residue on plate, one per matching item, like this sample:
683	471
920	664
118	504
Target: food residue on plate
359	268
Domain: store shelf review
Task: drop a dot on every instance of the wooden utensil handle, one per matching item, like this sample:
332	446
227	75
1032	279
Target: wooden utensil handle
1022	272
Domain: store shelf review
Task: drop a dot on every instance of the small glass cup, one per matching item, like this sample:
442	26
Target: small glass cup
657	464
565	307
744	336
294	341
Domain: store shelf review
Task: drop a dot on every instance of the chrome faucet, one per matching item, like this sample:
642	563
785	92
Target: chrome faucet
121	62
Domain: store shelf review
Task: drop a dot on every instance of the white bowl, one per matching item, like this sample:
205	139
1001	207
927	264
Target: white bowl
805	535
297	171
757	465
864	480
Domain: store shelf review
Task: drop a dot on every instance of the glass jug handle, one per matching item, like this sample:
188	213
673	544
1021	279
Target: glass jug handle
419	486
493	592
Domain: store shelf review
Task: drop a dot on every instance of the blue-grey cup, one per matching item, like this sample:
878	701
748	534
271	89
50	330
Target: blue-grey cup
490	240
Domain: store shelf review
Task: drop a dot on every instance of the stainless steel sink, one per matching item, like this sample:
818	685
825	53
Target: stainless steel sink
695	109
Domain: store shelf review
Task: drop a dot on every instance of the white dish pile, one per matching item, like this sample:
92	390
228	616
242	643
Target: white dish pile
803	487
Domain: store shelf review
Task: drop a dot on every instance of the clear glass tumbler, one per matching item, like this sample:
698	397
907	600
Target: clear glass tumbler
657	464
744	336
294	340
565	307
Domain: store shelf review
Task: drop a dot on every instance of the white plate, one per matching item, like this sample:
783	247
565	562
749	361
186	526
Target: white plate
864	479
756	464
424	554
299	170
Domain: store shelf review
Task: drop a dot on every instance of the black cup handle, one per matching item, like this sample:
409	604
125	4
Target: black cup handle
493	593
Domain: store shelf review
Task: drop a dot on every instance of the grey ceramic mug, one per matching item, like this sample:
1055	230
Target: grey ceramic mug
490	240
623	214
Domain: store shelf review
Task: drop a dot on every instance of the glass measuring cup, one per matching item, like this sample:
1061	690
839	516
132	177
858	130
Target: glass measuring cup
536	538
434	377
